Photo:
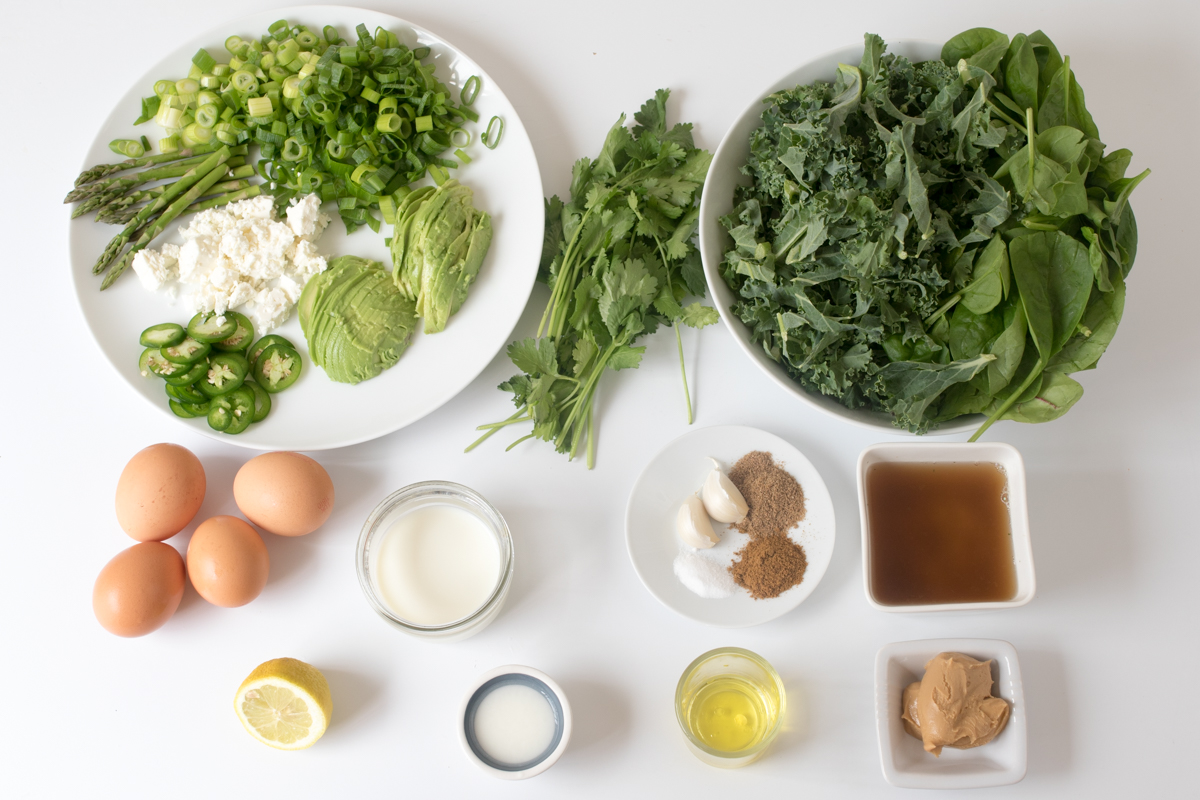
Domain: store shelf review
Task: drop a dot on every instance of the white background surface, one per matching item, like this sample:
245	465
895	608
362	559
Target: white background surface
1107	648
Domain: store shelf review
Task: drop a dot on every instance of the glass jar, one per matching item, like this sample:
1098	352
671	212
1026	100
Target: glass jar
410	499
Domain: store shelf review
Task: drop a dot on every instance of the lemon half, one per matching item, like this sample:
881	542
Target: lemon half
285	703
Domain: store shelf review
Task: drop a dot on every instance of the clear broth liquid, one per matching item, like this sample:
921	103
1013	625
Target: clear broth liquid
939	533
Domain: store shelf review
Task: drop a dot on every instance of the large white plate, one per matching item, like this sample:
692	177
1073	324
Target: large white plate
316	413
678	471
717	200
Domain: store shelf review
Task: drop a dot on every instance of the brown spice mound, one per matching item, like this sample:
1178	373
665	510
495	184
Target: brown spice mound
775	498
770	563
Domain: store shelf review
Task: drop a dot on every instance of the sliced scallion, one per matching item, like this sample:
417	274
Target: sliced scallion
470	90
490	139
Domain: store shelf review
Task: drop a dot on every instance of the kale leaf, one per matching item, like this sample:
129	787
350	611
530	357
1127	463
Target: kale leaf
935	239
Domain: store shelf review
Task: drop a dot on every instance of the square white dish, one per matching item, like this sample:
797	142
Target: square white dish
905	763
1008	458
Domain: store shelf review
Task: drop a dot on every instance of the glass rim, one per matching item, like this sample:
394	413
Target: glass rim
417	491
700	660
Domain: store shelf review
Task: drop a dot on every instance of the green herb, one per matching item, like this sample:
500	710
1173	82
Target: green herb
935	239
619	259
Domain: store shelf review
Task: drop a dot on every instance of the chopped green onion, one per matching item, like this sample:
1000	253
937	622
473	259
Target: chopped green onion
162	88
359	171
388	123
306	39
293	149
150	107
260	107
145	144
197	134
438	174
170	144
130	148
234	45
203	60
424	123
462	156
331	34
489	140
187	86
207	116
420	53
470	90
460	137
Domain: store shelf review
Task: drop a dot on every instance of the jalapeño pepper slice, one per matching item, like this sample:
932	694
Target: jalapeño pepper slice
226	372
206	328
241	338
277	368
162	335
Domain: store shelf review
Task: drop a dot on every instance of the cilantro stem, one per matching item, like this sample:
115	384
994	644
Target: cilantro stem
683	372
495	426
518	441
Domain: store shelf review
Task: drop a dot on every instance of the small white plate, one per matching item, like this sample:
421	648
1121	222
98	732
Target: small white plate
316	413
679	470
905	763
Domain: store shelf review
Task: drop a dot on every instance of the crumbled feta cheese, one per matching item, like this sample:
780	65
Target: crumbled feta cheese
305	218
241	254
155	268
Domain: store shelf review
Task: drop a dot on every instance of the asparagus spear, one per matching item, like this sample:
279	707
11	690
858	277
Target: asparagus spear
122	185
122	216
172	211
116	209
104	170
190	179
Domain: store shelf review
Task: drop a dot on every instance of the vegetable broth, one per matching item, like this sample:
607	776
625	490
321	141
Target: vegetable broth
939	533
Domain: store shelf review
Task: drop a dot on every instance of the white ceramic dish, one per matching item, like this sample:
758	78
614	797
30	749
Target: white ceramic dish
905	762
679	470
717	201
537	680
1007	457
316	413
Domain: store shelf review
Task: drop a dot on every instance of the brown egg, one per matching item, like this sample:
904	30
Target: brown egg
139	590
284	493
227	562
160	490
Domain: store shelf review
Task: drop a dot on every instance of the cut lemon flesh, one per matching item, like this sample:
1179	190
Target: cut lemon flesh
285	704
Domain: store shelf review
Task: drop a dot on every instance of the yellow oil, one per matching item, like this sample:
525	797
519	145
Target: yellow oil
730	713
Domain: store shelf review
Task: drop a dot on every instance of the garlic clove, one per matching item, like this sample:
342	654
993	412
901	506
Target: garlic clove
722	500
693	525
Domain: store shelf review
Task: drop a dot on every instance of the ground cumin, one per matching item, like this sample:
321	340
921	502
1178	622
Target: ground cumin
770	563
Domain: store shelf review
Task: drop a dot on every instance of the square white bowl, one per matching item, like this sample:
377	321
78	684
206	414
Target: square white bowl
1008	458
1000	762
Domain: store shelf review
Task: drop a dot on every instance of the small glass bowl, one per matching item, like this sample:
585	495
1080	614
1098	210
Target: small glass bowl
411	498
730	662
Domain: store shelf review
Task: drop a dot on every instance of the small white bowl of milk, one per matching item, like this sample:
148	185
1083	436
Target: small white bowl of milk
515	722
435	559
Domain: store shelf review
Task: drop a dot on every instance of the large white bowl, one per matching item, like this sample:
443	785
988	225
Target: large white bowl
717	201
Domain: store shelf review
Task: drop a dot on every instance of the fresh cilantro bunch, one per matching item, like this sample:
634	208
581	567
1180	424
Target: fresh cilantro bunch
935	239
619	257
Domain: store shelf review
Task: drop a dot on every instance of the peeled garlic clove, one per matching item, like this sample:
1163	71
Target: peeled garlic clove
693	525
722	499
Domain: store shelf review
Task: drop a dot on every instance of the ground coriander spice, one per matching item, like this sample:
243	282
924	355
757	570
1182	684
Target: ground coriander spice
770	563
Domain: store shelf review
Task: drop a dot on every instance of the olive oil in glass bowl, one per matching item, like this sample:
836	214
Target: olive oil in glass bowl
730	705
